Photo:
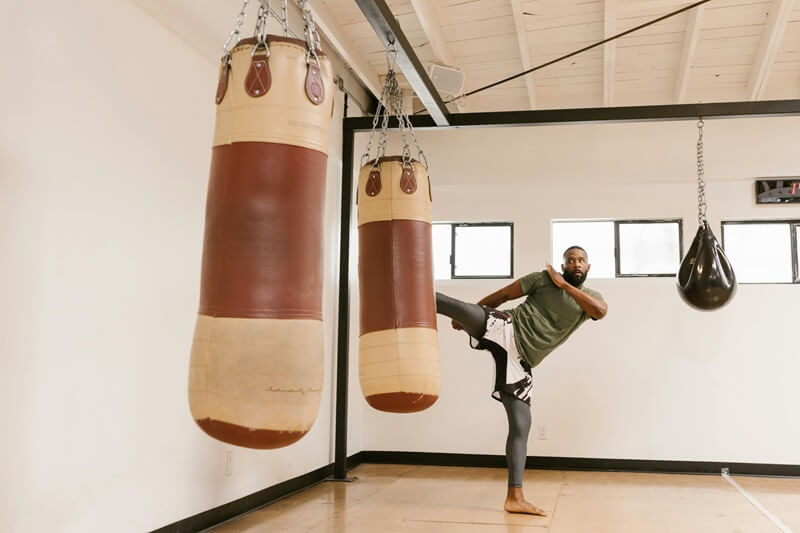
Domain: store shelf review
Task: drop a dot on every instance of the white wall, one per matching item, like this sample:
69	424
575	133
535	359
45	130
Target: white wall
655	379
104	159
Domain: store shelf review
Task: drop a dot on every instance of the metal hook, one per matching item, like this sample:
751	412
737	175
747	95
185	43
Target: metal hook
391	55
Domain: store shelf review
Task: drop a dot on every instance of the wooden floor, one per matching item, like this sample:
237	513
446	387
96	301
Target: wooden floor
388	498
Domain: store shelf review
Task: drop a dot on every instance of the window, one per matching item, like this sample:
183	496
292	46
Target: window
622	248
473	250
763	251
648	248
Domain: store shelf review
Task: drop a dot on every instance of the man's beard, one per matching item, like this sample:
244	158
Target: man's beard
573	278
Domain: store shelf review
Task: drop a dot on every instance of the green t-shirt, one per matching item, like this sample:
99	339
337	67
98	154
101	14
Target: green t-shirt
546	318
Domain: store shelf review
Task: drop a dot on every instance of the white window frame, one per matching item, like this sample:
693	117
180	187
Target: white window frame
617	223
794	228
454	225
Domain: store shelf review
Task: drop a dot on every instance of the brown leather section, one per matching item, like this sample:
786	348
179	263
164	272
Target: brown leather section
388	158
276	39
373	186
258	78
396	275
408	183
261	439
262	255
401	402
315	88
222	85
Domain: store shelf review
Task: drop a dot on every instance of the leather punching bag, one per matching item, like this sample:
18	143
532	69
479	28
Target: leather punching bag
398	344
705	279
257	358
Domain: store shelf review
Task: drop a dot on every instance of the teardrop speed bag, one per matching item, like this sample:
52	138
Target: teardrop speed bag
257	359
705	279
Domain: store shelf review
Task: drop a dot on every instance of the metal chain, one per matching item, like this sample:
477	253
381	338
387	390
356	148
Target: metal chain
420	154
375	119
382	113
260	32
701	184
311	33
235	33
285	17
391	104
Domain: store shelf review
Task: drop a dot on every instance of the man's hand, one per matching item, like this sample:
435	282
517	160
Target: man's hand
456	325
557	278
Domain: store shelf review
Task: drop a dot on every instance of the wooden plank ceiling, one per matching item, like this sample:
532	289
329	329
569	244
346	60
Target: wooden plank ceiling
725	50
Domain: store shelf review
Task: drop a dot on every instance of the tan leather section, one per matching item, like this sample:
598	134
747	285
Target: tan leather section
258	79
395	272
391	202
400	361
285	114
315	88
222	84
262	255
260	374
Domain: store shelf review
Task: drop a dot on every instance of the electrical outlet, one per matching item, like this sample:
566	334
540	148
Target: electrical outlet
228	463
541	431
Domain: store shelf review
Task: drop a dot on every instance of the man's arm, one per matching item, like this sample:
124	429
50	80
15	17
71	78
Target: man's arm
594	307
498	298
509	292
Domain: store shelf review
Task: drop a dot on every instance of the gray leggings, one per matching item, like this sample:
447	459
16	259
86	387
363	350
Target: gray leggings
473	318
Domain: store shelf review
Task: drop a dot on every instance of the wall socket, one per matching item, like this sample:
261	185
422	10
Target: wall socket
228	463
541	431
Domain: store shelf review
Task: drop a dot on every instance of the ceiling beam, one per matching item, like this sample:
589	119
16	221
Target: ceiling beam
779	12
764	108
345	47
388	30
649	5
433	31
687	53
609	51
524	50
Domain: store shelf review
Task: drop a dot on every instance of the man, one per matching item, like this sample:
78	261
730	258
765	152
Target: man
557	304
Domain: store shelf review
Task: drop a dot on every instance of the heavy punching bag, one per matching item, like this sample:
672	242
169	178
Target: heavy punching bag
706	280
256	366
398	344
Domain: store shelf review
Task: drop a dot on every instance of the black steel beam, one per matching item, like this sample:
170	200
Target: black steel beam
388	30
597	114
342	352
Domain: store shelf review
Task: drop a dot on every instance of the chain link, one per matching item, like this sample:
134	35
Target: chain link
285	17
235	33
701	184
260	32
311	33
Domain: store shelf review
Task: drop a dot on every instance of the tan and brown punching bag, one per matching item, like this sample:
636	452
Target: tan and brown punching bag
398	344
257	358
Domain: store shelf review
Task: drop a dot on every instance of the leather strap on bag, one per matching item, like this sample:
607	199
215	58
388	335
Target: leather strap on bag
315	89
373	187
408	182
258	79
224	73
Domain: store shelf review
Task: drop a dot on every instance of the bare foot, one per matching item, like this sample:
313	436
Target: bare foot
524	507
516	503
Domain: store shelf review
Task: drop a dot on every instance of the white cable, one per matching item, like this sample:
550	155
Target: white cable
775	520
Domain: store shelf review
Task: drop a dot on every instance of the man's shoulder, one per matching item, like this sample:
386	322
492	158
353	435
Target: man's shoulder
532	280
591	292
